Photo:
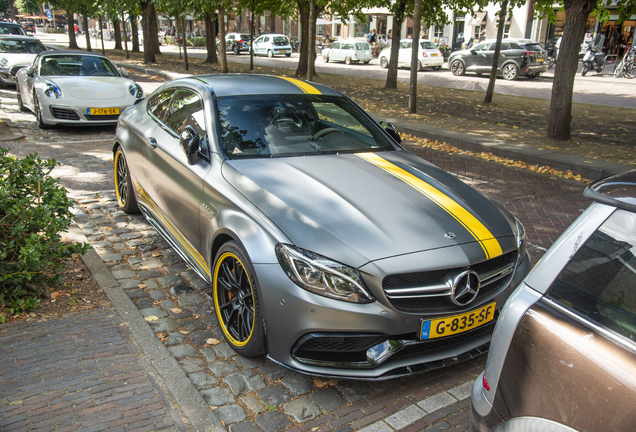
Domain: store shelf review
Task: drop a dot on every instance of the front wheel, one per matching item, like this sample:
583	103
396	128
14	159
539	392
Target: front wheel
236	301
457	68
123	185
236	49
584	71
419	66
510	72
270	54
325	59
18	95
384	63
38	113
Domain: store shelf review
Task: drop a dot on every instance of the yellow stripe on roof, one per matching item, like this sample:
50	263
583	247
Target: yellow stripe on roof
306	87
489	244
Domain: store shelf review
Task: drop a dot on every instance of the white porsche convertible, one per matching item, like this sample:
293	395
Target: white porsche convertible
75	89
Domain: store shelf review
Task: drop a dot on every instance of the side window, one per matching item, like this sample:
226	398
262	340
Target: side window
504	46
600	280
405	44
186	108
158	104
483	47
336	45
259	40
266	39
514	45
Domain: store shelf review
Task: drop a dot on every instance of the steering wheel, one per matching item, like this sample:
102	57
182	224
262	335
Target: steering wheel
326	131
292	119
95	72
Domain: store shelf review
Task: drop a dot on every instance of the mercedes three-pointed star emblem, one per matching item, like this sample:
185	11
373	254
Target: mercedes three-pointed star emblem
465	288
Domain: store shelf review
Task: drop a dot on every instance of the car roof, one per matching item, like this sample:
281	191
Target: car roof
272	34
17	37
3	23
239	85
618	191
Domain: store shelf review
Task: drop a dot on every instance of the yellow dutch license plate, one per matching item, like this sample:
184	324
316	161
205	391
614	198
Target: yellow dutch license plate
451	325
433	55
540	60
102	111
283	51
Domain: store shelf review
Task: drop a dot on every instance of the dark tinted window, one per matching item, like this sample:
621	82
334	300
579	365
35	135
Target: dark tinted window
77	65
533	47
21	46
504	46
292	125
186	108
483	46
245	37
158	104
600	280
280	40
514	45
14	29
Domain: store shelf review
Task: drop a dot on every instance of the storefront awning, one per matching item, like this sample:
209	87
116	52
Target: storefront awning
615	18
478	19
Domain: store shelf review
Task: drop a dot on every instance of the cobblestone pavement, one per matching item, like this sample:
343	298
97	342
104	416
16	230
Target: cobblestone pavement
253	394
80	373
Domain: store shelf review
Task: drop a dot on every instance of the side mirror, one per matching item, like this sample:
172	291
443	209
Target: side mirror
30	71
124	73
390	129
473	52
190	144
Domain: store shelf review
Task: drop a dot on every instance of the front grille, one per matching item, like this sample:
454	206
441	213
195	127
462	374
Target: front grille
445	343
332	348
443	304
64	114
102	117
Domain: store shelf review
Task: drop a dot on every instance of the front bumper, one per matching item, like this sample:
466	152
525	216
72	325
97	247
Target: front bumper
372	341
60	113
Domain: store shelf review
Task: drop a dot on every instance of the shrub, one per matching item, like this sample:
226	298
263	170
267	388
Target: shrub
34	210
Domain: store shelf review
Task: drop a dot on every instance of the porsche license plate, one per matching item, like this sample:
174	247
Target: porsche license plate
451	325
102	111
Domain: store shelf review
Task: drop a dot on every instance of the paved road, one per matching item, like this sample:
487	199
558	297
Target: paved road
253	394
591	89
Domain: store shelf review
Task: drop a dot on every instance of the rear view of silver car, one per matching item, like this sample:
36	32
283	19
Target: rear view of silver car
563	354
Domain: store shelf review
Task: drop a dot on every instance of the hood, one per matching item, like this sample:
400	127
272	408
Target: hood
18	59
96	87
357	208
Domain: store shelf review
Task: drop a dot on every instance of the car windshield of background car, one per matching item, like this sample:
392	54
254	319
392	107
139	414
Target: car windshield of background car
600	280
294	125
428	45
21	46
77	65
12	29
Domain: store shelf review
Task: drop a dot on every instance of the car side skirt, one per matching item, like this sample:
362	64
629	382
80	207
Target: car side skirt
171	233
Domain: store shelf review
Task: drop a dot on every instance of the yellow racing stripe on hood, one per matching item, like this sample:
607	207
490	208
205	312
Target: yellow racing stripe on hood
489	244
306	87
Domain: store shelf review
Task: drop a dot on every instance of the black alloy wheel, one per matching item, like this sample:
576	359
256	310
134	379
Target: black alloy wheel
457	68
236	301
123	184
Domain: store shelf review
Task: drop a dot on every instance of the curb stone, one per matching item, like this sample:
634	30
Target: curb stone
190	401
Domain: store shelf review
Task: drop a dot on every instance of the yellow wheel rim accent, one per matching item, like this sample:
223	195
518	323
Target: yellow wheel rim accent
217	306
118	154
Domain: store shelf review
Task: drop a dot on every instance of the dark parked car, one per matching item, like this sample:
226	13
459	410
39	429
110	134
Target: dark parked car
7	28
518	57
326	245
236	42
563	354
28	26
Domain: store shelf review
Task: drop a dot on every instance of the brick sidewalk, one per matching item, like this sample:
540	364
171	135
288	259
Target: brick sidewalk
80	373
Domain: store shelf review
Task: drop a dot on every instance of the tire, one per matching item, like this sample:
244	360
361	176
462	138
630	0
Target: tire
384	63
510	72
584	71
270	53
618	70
347	60
38	113
123	185
18	96
457	68
419	66
236	301
325	59
236	50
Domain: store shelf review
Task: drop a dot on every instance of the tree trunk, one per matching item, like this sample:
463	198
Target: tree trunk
86	32
101	34
126	40
398	20
222	40
117	31
134	33
252	32
153	27
185	50
415	52
576	15
72	42
311	40
495	61
210	38
303	8
149	54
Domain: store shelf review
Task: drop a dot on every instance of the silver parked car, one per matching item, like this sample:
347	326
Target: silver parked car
17	52
272	44
348	51
326	245
563	355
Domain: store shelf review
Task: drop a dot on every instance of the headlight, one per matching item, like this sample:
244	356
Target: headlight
52	91
521	240
136	91
3	62
322	276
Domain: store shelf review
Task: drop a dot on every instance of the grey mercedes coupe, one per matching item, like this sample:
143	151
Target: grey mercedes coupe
327	246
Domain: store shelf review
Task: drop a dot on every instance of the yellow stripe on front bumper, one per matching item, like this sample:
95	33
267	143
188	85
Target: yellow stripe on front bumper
306	87
489	244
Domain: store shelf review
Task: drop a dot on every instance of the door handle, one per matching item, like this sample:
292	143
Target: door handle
152	142
503	55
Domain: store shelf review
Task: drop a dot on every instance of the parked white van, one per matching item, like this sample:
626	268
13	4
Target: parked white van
429	55
348	51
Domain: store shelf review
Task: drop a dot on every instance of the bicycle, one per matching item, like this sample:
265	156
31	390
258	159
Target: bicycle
627	66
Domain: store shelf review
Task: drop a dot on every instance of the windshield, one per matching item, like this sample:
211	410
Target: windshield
12	29
21	46
77	65
294	125
428	45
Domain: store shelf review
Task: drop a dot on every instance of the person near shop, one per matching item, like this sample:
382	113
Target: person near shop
482	36
389	38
